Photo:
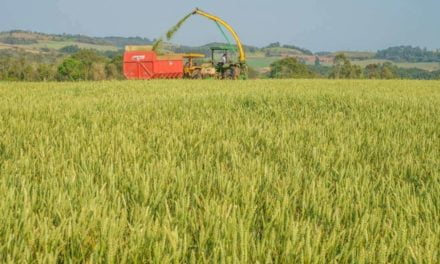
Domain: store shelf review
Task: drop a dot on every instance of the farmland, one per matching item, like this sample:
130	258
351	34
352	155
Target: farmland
427	66
56	45
264	62
206	171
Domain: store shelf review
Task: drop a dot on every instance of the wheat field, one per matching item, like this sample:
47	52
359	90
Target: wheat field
265	171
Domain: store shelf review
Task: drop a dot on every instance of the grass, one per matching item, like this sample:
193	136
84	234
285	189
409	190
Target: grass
56	45
308	171
61	44
282	50
261	62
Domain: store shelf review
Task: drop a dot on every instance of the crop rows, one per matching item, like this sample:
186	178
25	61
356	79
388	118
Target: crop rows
307	171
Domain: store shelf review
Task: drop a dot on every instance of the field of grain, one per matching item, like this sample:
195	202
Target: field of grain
311	171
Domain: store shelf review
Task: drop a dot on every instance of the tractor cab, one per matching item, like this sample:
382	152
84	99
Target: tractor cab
221	61
221	65
218	52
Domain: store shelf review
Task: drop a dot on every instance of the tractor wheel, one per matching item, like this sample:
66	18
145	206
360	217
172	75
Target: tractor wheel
196	74
228	74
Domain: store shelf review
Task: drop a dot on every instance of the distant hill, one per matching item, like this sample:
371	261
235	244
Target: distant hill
276	49
40	42
28	37
52	47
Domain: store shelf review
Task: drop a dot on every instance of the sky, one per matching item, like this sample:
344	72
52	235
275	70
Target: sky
319	25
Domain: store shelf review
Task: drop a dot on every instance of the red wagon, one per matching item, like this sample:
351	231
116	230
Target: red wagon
145	65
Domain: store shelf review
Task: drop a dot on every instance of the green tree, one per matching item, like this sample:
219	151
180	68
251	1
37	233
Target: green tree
98	71
70	49
343	69
379	71
387	71
45	72
71	69
114	68
4	66
317	61
88	58
112	72
29	73
409	54
289	68
320	71
15	70
372	71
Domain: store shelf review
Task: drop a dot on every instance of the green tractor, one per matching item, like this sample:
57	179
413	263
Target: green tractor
225	67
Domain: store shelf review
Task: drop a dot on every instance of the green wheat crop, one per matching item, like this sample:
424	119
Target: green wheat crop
220	172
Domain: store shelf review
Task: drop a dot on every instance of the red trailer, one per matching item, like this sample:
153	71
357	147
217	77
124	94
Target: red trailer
145	65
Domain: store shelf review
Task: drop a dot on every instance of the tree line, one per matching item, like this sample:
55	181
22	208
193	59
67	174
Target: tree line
409	54
82	64
344	69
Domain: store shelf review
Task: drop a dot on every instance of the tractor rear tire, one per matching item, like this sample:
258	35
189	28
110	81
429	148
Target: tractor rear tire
196	74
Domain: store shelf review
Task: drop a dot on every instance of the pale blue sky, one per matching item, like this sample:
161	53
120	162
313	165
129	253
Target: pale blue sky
315	24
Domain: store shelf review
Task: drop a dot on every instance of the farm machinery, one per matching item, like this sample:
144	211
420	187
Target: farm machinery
145	62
